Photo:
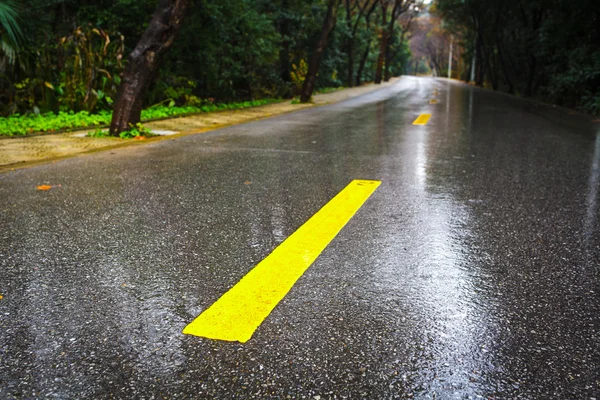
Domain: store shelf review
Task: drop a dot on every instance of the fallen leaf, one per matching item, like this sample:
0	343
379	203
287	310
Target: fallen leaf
0	297
44	187
247	183
140	138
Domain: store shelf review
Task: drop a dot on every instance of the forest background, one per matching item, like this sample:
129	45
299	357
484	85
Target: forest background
64	59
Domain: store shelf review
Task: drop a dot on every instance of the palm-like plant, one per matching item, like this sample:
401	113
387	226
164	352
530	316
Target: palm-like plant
9	30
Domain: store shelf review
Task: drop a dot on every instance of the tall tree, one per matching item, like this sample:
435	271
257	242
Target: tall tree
365	55
144	61
284	32
405	27
352	29
387	30
315	58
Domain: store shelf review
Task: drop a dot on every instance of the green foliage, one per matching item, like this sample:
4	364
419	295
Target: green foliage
577	83
10	33
89	76
400	54
298	74
79	72
334	59
99	133
545	49
8	20
17	124
181	90
228	49
136	130
234	51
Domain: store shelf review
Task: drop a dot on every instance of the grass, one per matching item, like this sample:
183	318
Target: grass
50	122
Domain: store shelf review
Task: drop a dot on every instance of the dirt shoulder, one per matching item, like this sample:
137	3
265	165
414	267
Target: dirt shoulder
18	152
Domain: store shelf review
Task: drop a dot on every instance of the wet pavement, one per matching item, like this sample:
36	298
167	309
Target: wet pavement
472	272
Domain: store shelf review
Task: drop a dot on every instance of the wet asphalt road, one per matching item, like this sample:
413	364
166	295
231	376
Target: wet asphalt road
472	272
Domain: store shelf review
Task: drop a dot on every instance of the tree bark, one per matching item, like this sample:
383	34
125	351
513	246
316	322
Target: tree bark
361	67
284	52
365	55
405	28
315	59
479	65
353	29
383	39
350	45
532	63
144	61
386	61
396	12
387	33
507	78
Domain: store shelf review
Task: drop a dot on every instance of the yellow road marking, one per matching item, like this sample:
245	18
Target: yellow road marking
239	312
433	101
422	120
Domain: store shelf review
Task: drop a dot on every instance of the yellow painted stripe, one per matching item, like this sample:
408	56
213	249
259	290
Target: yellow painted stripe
422	120
239	312
433	101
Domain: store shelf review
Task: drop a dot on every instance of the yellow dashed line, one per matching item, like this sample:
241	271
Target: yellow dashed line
240	311
422	120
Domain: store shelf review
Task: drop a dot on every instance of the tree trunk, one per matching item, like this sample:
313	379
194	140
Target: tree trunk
387	61
387	33
396	11
405	29
380	60
365	55
350	46
144	61
387	74
490	66
507	78
284	52
353	29
315	58
382	43
530	75
479	66
363	62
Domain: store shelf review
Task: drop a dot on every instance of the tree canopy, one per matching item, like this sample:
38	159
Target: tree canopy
74	52
548	49
70	55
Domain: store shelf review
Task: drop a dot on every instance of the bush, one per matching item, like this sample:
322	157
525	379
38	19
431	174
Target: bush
49	122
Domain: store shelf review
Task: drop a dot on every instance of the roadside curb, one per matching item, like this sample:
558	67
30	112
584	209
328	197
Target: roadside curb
204	122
